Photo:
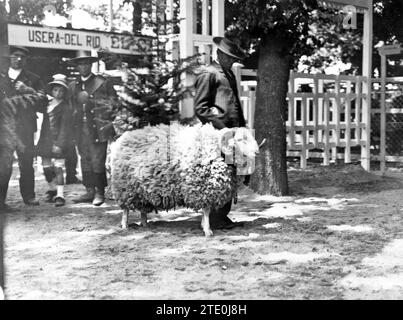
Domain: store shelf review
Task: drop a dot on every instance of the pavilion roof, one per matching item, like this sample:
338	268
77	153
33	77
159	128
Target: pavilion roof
361	5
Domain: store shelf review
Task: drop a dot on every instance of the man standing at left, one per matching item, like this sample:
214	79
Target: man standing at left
16	84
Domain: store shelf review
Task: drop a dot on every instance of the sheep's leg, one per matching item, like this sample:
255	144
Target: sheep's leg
144	219
206	222
125	218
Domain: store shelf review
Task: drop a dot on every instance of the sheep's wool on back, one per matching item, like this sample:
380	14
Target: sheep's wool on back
165	166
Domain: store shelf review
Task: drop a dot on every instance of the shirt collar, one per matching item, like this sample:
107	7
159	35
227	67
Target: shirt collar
14	73
83	79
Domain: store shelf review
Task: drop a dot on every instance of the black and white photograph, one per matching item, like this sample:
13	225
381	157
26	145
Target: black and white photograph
206	151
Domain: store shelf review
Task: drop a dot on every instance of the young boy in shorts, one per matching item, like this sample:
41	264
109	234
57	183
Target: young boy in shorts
53	140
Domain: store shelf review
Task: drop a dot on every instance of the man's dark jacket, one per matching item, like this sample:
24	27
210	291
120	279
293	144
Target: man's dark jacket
26	118
98	109
216	100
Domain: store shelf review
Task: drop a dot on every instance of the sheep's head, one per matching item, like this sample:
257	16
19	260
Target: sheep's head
240	148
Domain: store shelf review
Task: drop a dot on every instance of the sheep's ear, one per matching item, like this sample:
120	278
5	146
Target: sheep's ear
227	149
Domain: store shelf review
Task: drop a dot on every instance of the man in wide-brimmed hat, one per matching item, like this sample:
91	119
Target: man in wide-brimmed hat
217	102
92	98
24	93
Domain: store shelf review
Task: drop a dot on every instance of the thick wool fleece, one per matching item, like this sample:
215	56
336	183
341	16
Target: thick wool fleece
161	167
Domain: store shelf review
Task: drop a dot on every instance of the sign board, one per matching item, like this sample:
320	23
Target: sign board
390	49
72	39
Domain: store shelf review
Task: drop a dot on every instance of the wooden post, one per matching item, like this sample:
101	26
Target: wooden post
326	113
218	19
321	109
205	18
186	28
169	46
347	120
304	107
315	110
291	108
382	146
186	48
358	91
367	86
336	119
2	271
251	113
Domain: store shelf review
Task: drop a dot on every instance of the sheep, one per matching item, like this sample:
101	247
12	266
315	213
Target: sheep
167	166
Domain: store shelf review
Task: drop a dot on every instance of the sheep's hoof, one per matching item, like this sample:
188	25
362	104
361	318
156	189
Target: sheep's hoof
125	226
208	233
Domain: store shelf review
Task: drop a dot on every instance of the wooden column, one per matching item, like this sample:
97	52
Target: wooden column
382	147
186	28
205	18
367	86
218	19
2	271
186	48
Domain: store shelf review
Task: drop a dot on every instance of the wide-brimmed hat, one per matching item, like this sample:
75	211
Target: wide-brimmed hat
58	79
81	58
229	47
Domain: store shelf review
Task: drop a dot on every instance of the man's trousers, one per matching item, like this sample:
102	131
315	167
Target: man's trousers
71	161
93	158
6	168
26	165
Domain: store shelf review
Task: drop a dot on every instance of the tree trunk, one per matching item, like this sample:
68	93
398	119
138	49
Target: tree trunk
270	176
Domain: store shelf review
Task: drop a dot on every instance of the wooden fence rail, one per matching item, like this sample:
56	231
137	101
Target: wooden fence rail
333	115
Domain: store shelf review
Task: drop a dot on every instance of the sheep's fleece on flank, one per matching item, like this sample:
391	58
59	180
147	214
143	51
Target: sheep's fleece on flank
165	166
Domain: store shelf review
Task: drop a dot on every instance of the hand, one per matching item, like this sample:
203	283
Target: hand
22	88
56	150
214	111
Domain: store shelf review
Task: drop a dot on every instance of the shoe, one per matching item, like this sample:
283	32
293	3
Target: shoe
59	202
73	180
99	197
50	194
87	197
31	202
4	208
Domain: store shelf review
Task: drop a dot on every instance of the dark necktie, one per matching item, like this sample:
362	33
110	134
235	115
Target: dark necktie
232	81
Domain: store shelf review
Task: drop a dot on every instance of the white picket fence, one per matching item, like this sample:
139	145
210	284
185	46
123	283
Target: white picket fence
334	115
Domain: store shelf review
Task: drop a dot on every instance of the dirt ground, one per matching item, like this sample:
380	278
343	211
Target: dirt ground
338	236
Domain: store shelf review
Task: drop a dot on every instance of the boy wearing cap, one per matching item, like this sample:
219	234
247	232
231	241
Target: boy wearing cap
217	102
93	99
53	141
17	84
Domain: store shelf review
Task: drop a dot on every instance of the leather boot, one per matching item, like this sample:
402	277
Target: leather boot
99	196
87	197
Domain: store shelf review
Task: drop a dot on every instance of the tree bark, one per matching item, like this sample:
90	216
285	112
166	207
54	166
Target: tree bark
270	176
